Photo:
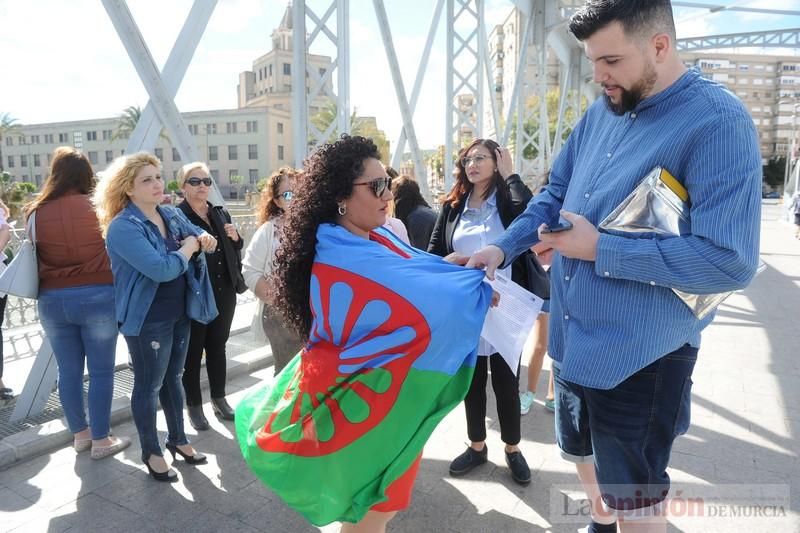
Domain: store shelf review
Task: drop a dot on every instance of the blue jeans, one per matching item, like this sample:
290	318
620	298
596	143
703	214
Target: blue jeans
158	354
628	431
81	325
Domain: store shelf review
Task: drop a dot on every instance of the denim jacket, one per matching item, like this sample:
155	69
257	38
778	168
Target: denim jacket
140	262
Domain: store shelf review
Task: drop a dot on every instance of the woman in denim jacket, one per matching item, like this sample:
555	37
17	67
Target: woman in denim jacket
159	286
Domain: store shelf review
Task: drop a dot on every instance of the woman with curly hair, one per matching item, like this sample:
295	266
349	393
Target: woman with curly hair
390	335
257	266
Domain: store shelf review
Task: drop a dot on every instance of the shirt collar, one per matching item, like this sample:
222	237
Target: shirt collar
490	202
686	79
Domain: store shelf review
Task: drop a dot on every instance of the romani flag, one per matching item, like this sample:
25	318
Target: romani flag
392	350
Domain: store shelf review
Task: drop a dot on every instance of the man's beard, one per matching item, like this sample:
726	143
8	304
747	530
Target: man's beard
630	98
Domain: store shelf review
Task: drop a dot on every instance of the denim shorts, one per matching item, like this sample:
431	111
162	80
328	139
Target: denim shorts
628	431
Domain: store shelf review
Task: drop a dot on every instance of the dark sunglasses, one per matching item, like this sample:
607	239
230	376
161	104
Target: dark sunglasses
287	196
378	185
195	182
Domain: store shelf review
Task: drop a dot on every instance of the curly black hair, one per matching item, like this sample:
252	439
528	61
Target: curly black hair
327	178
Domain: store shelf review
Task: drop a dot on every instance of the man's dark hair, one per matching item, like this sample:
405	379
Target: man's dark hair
638	17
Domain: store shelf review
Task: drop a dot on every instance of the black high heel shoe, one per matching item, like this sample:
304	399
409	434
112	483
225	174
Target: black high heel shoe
170	476
222	409
196	459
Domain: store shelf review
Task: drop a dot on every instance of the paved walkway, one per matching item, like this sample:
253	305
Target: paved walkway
738	465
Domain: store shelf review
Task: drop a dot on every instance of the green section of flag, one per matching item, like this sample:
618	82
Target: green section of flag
342	486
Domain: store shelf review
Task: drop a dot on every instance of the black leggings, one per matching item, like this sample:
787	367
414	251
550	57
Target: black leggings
506	390
2	317
212	337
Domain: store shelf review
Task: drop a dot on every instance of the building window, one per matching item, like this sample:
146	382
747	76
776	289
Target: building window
48	138
215	174
253	176
107	134
93	157
233	172
159	153
280	153
23	161
252	151
11	161
230	127
232	153
38	179
322	72
252	126
212	153
269	69
287	69
9	141
37	162
193	129
211	129
280	127
63	137
91	135
175	155
34	139
109	156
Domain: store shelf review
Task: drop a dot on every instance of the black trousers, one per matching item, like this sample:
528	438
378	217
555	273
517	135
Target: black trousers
505	384
284	342
212	337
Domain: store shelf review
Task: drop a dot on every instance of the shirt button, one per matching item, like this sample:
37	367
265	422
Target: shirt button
633	115
586	195
566	317
606	274
608	155
566	278
652	283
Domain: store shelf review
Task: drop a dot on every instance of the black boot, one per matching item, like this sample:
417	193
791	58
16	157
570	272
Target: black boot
196	417
222	409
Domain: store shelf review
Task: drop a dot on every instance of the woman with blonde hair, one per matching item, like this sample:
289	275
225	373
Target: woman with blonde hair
225	272
159	287
276	197
76	299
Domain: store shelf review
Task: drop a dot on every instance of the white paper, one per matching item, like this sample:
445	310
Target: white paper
507	325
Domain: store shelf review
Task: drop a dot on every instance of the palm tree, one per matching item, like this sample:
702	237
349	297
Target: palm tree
127	121
8	125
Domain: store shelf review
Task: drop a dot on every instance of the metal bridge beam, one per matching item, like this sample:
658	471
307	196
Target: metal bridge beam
789	38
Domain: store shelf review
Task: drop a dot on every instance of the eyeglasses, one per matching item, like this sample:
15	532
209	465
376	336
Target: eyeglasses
478	159
287	196
195	182
378	185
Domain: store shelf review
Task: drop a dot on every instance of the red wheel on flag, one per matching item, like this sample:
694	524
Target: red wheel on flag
351	375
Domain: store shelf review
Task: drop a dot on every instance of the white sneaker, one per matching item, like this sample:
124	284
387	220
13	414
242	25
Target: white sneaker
525	402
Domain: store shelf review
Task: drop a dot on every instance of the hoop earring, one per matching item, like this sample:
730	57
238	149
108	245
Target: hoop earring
342	209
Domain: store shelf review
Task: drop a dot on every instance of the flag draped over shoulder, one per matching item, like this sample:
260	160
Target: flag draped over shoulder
391	351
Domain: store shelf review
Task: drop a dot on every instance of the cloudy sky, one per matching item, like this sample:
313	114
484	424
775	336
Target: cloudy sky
63	61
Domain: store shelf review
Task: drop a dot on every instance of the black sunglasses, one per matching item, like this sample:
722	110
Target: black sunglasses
195	182
378	185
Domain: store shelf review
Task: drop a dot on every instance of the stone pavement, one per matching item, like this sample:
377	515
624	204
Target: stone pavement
738	465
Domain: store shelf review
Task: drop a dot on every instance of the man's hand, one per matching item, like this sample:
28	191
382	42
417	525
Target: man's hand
457	259
207	243
580	242
544	253
489	258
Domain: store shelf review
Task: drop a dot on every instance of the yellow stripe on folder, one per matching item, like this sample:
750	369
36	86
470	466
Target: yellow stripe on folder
674	185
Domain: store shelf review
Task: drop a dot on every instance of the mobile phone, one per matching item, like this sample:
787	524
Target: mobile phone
563	225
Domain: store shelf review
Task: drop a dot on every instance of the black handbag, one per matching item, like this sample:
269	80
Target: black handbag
538	278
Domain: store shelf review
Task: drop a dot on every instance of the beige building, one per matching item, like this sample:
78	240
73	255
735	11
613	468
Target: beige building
250	141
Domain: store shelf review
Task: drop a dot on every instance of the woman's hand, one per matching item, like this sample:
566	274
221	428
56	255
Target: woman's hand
189	246
495	299
230	231
207	243
544	253
456	258
505	166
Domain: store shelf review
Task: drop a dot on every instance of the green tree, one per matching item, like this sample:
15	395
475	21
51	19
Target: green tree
173	186
531	125
127	121
26	187
363	126
774	172
8	126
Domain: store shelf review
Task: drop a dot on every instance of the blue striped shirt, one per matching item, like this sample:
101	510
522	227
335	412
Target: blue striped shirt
616	315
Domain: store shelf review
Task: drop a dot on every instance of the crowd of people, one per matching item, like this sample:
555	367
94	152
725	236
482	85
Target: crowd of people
372	302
